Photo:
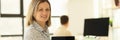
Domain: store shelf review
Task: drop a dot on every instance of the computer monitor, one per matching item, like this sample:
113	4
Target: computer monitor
63	38
96	27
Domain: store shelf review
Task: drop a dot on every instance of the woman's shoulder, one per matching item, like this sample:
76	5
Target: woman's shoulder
30	30
31	33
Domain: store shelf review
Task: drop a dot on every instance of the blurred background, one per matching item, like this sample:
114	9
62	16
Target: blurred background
13	16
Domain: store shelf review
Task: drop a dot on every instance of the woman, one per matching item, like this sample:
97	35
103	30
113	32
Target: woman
38	20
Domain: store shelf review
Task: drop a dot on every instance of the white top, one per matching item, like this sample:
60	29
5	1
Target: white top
36	32
62	31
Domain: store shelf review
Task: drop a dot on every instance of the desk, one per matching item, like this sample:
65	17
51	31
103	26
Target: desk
81	37
110	37
91	38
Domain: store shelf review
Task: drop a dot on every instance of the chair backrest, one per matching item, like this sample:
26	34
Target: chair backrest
63	38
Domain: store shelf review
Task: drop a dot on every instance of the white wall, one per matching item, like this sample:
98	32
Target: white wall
78	10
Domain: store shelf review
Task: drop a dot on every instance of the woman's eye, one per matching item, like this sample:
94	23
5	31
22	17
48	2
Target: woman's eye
40	9
43	10
47	9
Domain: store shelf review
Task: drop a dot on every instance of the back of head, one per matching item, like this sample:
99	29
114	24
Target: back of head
64	19
116	2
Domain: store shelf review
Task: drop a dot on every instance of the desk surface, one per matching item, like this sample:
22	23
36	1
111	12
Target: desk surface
91	38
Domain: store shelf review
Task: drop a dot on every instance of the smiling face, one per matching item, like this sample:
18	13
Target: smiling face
42	12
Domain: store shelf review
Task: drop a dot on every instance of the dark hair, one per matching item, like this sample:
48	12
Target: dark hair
64	19
116	2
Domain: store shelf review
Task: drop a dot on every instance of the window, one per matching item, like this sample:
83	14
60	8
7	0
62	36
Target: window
10	6
10	25
103	8
11	20
58	7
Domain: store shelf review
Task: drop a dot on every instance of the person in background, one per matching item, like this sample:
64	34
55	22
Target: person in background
116	13
62	30
117	3
116	22
38	20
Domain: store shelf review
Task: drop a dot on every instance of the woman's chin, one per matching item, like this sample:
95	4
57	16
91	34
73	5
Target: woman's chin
43	20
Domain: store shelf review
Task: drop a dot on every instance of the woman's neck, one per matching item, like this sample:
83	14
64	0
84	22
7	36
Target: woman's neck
42	24
65	25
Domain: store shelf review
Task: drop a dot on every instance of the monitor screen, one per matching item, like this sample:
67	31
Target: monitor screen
96	27
63	38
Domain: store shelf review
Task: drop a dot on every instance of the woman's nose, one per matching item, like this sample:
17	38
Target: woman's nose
44	12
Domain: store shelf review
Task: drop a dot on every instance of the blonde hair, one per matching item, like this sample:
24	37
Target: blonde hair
32	8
